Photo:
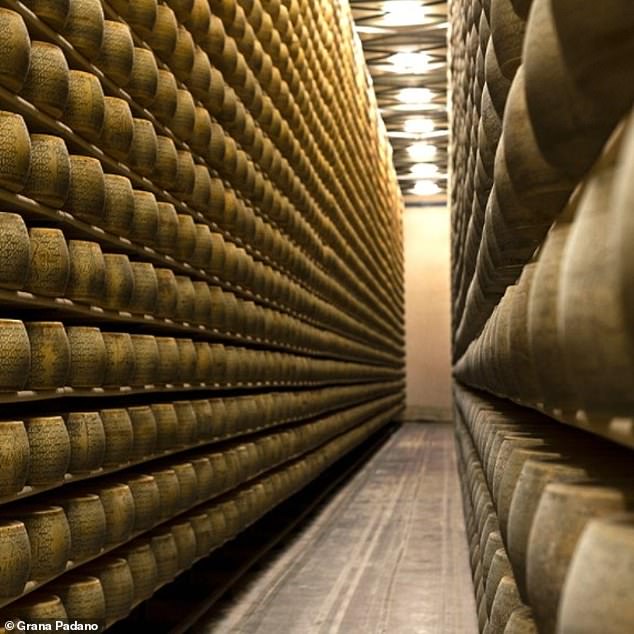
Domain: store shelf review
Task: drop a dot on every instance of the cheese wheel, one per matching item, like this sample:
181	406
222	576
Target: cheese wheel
49	268
84	112
87	272
15	251
49	177
53	12
84	27
116	57
15	151
15	51
47	82
143	83
118	129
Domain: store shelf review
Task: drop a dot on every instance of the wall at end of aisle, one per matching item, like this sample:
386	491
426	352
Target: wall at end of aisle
427	312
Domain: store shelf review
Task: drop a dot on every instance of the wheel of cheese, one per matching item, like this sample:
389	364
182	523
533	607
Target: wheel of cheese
168	373
217	89
84	112
86	192
563	512
147	360
185	543
575	100
145	220
185	471
197	22
15	454
166	167
202	250
182	123
185	299
213	39
166	425
53	12
595	344
17	564
15	251
181	60
544	339
200	82
50	262
143	432
187	360
118	129
83	598
118	586
186	241
116	498
199	198
143	83
118	283
164	105
497	83
47	82
166	555
84	27
201	135
140	558
507	35
163	36
49	177
182	8
185	173
140	15
601	567
15	151
87	272
50	355
144	148
87	370
167	228
16	50
145	289
167	296
202	308
538	185
201	524
119	204
39	607
116	57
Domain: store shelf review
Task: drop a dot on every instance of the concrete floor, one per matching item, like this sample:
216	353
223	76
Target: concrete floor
387	554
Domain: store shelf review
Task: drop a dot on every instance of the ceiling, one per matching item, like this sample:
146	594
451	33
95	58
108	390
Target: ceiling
405	47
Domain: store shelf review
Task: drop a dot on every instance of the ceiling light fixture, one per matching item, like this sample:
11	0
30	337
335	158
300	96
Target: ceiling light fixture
425	188
422	152
403	13
415	63
424	170
415	96
418	125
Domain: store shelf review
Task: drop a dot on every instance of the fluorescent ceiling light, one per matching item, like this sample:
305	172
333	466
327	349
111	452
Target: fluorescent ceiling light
417	63
424	170
422	152
403	13
418	125
425	188
415	96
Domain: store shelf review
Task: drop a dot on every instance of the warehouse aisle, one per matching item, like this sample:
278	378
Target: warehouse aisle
386	554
